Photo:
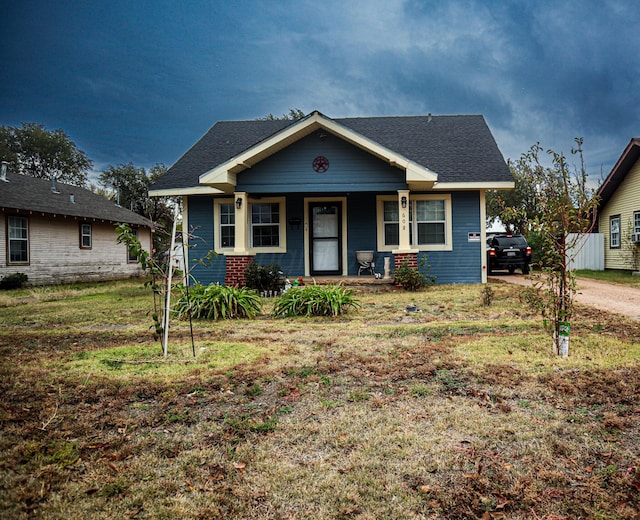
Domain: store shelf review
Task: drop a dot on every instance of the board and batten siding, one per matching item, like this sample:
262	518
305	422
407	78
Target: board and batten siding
55	255
623	202
350	170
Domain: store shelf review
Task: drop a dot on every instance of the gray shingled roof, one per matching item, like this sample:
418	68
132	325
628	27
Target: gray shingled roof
459	148
30	194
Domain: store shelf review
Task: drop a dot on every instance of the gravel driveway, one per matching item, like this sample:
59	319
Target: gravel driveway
604	296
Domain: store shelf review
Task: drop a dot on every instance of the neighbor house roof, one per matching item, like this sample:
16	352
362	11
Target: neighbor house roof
454	149
626	161
29	194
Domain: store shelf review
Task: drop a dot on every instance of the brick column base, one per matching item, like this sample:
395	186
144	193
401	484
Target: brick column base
235	274
401	258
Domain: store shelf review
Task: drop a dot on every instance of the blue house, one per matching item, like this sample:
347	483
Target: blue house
308	194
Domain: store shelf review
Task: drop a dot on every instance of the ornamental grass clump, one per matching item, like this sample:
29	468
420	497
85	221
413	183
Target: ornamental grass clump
217	302
315	300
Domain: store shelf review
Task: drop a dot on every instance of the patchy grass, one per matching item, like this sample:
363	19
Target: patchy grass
611	276
456	411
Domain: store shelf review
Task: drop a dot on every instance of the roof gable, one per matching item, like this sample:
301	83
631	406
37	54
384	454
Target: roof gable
434	151
620	170
30	194
224	175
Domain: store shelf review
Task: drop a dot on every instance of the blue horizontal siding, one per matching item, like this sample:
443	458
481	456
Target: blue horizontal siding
462	265
350	170
201	226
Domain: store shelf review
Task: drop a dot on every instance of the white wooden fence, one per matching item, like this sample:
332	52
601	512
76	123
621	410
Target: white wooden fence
588	251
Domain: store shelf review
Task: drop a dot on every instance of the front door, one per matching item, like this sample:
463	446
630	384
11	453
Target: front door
325	238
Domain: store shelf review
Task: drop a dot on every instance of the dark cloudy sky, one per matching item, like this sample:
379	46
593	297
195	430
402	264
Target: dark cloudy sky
141	80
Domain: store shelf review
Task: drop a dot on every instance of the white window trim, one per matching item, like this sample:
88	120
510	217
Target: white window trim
612	219
448	227
27	240
282	225
217	247
83	234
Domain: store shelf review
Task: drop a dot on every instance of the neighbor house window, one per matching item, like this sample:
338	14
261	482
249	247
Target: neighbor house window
18	240
132	258
85	236
265	224
429	219
227	219
614	232
636	221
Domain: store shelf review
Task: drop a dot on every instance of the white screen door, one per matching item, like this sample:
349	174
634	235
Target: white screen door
325	237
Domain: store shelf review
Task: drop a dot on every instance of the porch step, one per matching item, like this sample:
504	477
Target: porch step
357	282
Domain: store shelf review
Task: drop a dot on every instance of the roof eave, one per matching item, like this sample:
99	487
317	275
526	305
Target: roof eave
190	190
619	171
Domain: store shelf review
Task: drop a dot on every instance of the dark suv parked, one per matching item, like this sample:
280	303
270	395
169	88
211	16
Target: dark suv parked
508	252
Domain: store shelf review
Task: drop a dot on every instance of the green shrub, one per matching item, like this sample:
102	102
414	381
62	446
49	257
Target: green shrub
413	279
13	281
315	300
264	278
216	302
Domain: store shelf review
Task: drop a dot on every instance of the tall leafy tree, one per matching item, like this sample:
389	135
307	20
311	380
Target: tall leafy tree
293	115
33	150
514	208
129	186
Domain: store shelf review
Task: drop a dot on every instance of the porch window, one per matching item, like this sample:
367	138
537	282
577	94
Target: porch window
265	224
227	221
18	240
430	221
391	223
85	236
614	232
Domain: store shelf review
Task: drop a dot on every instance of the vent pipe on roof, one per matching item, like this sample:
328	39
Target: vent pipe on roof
72	198
3	171
53	185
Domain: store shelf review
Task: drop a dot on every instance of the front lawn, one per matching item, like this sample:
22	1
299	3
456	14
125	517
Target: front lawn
455	410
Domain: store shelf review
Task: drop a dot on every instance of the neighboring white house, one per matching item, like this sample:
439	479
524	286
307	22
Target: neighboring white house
58	233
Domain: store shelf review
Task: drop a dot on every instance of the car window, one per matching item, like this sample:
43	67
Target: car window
510	241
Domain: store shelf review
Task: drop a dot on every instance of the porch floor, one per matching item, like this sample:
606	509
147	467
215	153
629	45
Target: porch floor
357	282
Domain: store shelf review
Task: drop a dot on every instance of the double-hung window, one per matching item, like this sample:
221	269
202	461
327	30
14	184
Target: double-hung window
265	224
614	232
431	222
636	222
428	218
18	240
227	219
390	223
85	236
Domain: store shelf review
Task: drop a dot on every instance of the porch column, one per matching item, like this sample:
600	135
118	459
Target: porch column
483	235
404	244
242	210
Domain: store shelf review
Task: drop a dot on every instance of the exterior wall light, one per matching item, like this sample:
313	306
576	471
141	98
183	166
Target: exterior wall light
403	202
238	203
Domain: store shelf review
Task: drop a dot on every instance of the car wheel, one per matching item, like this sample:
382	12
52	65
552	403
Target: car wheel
525	269
512	269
